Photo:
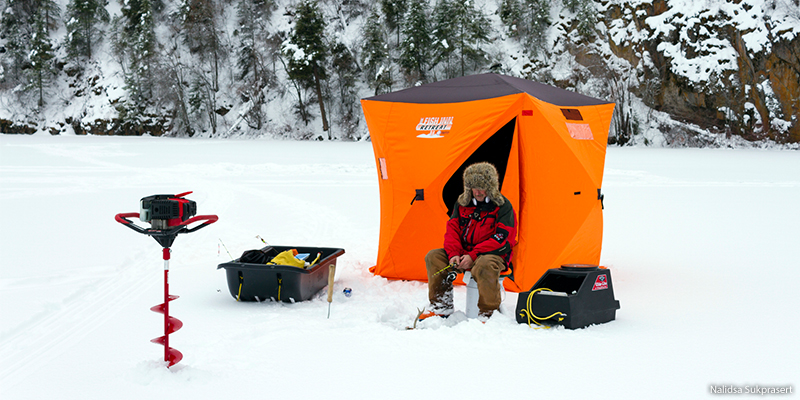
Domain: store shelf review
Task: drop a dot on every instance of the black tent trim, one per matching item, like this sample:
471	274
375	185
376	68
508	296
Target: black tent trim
485	86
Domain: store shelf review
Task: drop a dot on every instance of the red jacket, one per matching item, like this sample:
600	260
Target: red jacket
484	228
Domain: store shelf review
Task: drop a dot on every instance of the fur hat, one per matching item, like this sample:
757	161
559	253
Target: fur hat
481	176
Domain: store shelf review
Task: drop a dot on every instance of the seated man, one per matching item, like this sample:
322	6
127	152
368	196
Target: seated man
480	236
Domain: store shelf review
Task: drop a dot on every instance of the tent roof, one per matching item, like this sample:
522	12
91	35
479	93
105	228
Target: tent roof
485	86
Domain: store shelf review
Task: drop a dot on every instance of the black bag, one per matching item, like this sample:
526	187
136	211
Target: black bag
253	257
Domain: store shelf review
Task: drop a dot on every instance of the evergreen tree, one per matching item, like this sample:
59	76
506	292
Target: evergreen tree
252	73
82	18
201	35
461	29
375	55
527	20
15	44
135	44
394	11
200	32
346	70
308	53
252	16
203	101
513	16
41	53
573	5
538	17
415	51
587	19
18	23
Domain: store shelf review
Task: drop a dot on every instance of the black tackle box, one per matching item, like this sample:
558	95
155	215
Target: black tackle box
583	292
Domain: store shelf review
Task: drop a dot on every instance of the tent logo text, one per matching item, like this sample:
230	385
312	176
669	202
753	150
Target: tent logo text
434	126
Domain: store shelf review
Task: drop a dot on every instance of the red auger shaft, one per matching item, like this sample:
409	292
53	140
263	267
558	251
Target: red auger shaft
171	324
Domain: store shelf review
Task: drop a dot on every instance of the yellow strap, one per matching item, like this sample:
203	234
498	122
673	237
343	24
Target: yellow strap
532	317
240	288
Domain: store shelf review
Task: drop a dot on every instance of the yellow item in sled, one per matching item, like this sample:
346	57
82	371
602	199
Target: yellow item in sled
287	258
315	260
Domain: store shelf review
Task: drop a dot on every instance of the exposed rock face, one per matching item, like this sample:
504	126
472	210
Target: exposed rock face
154	126
8	126
733	67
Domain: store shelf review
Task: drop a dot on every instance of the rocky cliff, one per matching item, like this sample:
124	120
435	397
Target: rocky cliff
728	67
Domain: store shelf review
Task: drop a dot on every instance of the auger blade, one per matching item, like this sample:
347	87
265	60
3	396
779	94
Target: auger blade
160	307
173	325
173	357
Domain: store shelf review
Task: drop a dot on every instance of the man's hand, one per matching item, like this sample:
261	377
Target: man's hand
465	263
455	260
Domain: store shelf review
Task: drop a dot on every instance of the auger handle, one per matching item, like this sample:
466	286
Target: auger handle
210	219
122	218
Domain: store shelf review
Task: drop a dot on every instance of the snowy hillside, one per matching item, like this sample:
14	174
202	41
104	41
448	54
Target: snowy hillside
701	244
719	73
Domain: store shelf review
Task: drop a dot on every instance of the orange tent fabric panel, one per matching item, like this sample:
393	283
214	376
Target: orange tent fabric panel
416	157
560	215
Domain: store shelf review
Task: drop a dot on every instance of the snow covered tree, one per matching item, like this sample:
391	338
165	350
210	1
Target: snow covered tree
394	11
375	56
83	16
14	44
254	48
460	31
538	22
573	5
18	23
587	19
41	69
307	52
585	16
50	12
136	47
253	16
513	16
527	20
345	70
415	49
201	34
203	101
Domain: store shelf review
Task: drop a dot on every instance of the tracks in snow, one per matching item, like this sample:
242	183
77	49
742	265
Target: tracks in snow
42	340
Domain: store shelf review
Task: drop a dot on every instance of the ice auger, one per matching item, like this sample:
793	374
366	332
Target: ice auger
169	216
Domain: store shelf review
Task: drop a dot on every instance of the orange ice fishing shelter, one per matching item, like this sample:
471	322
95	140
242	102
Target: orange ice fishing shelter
548	145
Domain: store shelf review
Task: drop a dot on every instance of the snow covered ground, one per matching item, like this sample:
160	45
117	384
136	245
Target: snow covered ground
702	245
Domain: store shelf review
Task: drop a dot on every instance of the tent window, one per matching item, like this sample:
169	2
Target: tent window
494	150
580	131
